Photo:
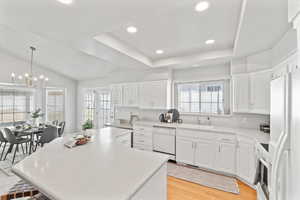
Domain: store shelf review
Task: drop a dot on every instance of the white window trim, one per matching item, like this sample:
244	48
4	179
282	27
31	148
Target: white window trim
175	95
46	100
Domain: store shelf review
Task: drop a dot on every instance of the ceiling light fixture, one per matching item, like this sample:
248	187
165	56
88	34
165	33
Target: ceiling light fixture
67	2
131	29
159	51
210	42
202	6
29	78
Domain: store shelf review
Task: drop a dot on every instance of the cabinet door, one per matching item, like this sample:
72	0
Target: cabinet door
153	94
246	161
260	89
205	154
116	94
130	94
226	155
241	93
185	151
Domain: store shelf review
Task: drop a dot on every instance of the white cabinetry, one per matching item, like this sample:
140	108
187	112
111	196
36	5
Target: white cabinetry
116	94
153	95
215	151
260	89
251	93
246	160
225	160
240	93
293	9
205	154
130	94
185	151
142	137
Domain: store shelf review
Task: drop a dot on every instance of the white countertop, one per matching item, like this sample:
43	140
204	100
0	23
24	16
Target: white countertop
101	169
254	134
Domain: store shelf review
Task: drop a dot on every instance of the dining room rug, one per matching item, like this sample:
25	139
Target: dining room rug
204	178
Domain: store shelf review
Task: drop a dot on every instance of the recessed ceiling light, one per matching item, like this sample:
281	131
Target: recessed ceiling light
159	51
202	6
65	1
210	42
131	29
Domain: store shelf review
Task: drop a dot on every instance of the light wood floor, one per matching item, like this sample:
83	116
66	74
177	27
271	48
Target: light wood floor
183	190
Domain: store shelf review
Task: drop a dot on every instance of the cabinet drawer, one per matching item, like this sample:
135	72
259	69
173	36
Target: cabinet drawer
143	128
142	140
162	130
142	133
142	147
227	138
197	134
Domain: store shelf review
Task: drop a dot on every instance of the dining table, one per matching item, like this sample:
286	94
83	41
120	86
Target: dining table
28	132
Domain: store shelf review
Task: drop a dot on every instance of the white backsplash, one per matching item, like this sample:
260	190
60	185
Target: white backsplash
251	121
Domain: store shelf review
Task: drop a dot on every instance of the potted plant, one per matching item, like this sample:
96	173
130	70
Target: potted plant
87	125
35	115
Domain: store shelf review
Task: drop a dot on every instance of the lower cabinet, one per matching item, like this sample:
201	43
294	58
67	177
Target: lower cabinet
225	159
205	154
185	151
246	160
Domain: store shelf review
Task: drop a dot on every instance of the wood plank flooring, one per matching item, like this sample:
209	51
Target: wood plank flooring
183	190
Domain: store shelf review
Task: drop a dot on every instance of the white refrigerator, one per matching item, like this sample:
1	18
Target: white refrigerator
285	137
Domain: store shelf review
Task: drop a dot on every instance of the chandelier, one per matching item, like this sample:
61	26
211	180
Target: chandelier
28	78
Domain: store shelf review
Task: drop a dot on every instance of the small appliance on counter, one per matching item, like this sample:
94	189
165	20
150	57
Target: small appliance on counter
265	127
172	116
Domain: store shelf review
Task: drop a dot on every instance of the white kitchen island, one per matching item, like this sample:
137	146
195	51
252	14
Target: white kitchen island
103	169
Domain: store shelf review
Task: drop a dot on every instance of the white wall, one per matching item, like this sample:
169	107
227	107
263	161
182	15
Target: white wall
10	63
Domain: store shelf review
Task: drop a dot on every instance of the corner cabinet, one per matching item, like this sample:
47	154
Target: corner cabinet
251	92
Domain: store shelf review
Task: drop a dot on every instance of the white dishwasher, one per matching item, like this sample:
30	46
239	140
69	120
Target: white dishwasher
164	139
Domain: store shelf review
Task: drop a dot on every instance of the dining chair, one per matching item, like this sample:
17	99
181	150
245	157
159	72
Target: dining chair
3	141
14	141
49	134
55	122
61	128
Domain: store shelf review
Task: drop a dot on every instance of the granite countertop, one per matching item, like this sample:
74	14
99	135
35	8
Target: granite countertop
97	170
254	134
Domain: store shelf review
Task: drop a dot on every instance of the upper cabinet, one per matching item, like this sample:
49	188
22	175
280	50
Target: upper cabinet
260	87
147	95
251	93
117	94
240	93
130	95
294	9
153	95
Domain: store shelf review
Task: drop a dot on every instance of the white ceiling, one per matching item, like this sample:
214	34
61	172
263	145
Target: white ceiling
65	35
264	23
